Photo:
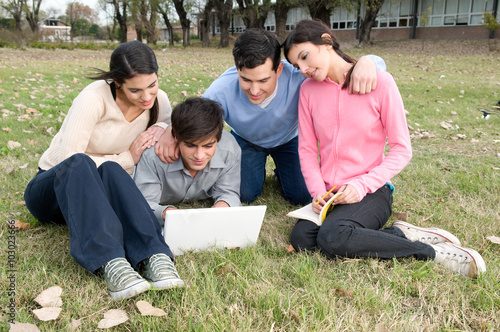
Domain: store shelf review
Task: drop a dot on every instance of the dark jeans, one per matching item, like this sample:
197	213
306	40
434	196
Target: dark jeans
106	214
286	159
354	230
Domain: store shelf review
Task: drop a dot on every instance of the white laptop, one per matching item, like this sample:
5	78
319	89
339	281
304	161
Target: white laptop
208	228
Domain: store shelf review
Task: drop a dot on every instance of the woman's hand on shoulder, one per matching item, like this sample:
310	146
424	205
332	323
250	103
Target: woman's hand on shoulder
156	131
141	143
167	148
349	195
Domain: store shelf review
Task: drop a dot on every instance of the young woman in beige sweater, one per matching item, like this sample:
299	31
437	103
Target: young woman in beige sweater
84	176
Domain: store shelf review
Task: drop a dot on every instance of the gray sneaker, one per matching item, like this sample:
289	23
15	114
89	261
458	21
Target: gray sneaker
465	261
122	280
426	235
160	271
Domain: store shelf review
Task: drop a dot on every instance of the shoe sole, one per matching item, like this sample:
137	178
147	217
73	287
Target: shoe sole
435	231
140	287
478	261
168	283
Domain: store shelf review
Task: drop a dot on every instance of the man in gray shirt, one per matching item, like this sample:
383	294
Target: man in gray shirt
208	167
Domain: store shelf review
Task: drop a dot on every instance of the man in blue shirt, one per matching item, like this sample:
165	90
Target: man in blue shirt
259	97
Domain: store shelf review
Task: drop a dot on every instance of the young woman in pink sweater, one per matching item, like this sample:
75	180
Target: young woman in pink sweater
350	133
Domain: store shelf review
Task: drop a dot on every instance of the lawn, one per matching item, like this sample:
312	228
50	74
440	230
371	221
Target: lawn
452	182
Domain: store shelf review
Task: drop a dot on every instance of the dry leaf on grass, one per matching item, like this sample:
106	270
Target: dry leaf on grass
51	297
9	170
112	318
342	292
226	269
494	239
403	216
290	249
75	323
18	224
294	316
23	327
48	313
147	309
12	145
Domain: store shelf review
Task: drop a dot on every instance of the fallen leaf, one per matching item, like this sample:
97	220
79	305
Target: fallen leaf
226	269
184	93
23	327
403	216
112	318
50	130
7	129
23	166
51	297
12	144
9	170
290	249
147	309
294	316
75	323
494	239
446	125
48	313
342	292
21	225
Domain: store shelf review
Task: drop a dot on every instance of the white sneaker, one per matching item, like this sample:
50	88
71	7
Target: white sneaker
465	261
426	235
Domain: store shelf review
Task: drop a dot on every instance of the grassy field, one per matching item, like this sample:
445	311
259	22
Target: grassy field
452	182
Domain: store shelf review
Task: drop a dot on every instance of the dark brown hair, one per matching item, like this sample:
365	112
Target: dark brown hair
312	31
197	119
129	60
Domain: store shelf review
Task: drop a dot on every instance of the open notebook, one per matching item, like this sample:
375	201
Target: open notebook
200	229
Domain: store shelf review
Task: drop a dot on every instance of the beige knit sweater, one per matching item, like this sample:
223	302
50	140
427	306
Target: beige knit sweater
95	125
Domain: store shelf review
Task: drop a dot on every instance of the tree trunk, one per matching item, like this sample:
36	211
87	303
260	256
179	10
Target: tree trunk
321	11
281	9
32	16
224	9
372	9
121	18
205	24
254	15
185	22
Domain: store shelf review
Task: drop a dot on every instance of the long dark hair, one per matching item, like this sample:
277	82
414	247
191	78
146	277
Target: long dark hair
128	60
312	31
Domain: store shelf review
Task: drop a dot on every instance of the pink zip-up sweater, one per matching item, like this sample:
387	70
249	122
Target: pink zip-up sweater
351	131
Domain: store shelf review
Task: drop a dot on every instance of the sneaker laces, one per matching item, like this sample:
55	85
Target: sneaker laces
454	261
160	265
120	272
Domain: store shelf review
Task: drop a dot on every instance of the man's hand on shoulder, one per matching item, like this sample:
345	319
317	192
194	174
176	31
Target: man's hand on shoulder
167	148
363	77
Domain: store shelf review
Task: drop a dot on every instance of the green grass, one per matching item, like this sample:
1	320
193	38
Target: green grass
451	182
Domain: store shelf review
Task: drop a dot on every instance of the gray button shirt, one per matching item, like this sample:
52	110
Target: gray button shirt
167	184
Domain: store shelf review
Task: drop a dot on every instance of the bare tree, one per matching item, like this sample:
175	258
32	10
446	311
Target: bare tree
281	8
15	8
185	22
121	17
149	23
105	6
372	9
322	9
32	14
135	8
224	10
76	11
253	12
204	23
163	7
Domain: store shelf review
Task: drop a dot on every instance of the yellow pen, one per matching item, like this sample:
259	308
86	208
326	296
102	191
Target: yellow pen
329	191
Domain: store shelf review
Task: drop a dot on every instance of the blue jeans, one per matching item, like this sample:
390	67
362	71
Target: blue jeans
286	159
106	214
354	230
